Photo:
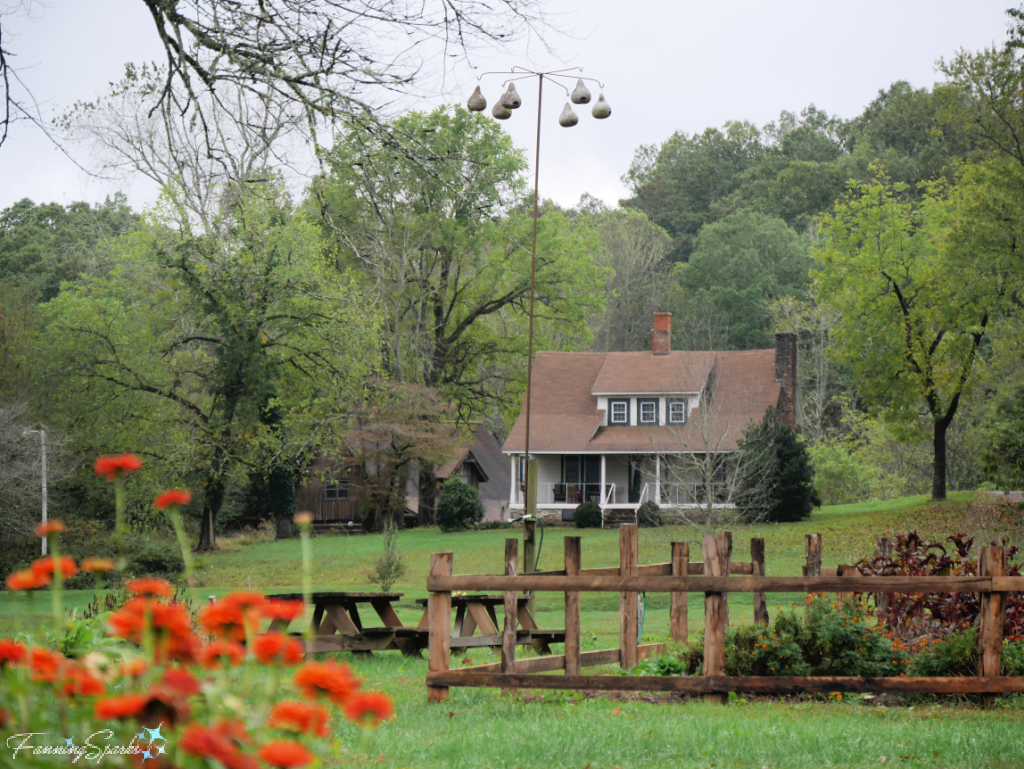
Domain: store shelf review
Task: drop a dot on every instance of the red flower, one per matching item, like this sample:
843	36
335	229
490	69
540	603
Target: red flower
180	681
172	497
275	648
368	708
287	611
294	716
117	466
171	623
134	668
27	580
97	564
285	754
231	616
334	681
222	743
45	664
11	652
82	683
151	586
47	566
164	704
218	653
50	527
120	706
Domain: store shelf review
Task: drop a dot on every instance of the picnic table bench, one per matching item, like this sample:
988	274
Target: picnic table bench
473	612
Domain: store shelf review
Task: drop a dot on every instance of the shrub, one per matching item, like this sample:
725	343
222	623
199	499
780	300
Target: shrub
156	558
648	515
459	506
776	478
588	515
390	566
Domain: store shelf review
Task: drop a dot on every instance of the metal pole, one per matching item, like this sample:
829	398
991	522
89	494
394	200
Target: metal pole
42	449
531	503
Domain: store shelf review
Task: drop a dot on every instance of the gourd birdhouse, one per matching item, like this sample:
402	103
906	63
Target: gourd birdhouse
500	112
477	102
601	110
580	94
510	99
568	118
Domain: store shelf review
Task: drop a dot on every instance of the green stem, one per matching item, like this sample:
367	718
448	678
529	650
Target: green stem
119	509
186	554
58	591
307	577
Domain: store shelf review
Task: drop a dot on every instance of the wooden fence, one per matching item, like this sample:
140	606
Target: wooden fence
715	578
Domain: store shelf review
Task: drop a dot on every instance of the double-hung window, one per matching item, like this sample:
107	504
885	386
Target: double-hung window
647	411
618	412
677	412
336	489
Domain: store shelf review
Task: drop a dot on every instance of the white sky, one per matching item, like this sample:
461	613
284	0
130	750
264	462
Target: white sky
667	66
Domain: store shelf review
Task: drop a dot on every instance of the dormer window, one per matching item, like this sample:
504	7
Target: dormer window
677	412
618	412
648	411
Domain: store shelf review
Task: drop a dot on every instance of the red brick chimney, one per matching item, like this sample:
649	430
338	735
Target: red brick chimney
661	339
786	374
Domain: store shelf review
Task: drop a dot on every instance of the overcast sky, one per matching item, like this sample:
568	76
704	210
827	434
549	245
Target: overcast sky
667	66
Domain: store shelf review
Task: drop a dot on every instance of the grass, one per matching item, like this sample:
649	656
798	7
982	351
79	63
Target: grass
487	728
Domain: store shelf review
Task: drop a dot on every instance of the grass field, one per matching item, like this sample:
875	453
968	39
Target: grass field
484	728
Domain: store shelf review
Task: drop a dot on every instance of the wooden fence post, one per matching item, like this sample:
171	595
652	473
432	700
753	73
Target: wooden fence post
529	555
678	610
508	639
628	556
991	563
812	568
883	549
757	570
716	564
572	608
439	622
845	571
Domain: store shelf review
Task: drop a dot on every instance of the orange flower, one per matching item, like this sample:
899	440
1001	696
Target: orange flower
49	527
81	683
134	668
217	654
231	616
97	564
283	610
294	716
275	648
285	754
368	708
151	586
27	580
171	623
11	652
47	566
117	466
180	681
172	498
120	706
45	664
304	518
221	743
330	679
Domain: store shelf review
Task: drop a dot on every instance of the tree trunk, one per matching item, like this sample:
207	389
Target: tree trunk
211	506
281	493
939	462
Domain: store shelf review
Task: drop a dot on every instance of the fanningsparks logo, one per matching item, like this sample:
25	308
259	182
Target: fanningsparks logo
95	746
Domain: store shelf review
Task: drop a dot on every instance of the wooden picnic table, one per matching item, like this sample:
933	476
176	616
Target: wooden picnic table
473	612
338	625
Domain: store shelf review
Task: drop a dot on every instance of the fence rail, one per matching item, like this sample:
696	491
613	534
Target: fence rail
711	577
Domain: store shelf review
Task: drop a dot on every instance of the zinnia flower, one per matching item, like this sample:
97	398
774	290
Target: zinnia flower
221	743
117	466
120	706
285	611
48	566
171	623
295	716
150	586
81	683
179	680
27	580
218	653
45	664
285	754
329	679
232	616
368	708
97	564
49	527
11	652
275	648
134	668
172	498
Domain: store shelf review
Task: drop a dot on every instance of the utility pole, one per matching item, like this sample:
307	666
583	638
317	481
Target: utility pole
42	449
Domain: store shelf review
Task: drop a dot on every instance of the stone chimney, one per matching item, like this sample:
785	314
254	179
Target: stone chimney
661	339
785	372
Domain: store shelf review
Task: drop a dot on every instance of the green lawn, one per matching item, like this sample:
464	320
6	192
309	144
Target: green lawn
486	728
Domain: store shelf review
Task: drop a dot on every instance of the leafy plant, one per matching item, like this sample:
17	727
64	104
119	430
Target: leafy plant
390	566
459	506
588	515
648	515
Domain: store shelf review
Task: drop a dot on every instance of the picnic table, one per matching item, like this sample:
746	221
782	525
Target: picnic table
476	612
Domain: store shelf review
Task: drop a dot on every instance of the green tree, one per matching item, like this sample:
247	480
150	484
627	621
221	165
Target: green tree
459	506
777	483
912	311
218	356
739	266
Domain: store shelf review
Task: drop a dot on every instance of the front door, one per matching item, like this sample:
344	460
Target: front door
635	481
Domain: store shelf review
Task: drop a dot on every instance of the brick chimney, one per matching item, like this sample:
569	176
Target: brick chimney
785	372
661	339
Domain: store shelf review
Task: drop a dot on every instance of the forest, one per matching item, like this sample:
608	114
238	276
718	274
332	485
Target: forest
237	330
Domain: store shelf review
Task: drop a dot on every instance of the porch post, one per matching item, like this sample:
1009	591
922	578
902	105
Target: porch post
600	496
657	479
512	492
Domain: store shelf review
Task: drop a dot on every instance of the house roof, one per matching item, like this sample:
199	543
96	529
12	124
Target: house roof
565	418
462	456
